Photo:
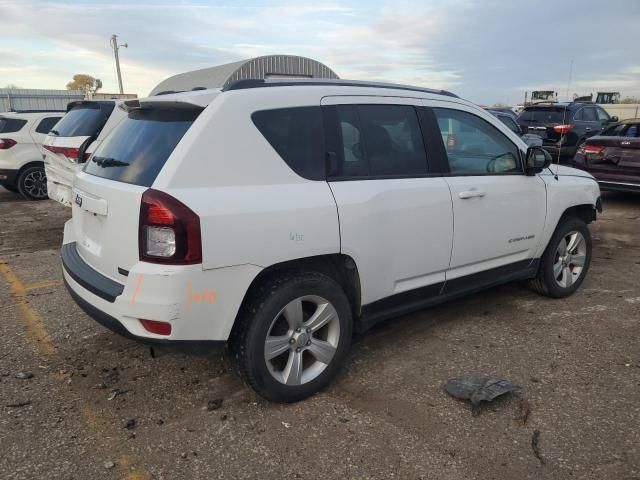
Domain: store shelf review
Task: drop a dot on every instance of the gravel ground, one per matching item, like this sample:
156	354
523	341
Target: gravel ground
100	406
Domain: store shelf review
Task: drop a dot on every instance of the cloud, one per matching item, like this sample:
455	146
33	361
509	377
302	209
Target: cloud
486	51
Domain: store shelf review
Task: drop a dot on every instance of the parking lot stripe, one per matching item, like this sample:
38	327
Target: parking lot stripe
41	343
42	284
36	331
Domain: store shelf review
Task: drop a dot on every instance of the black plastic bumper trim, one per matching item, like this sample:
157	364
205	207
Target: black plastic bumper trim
110	323
87	277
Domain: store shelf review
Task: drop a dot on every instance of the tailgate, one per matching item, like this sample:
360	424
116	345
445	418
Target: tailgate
105	223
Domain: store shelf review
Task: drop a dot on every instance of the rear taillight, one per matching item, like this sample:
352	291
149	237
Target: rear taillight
593	149
169	231
564	129
6	143
69	152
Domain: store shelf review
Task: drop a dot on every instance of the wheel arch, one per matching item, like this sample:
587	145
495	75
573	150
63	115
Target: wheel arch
339	267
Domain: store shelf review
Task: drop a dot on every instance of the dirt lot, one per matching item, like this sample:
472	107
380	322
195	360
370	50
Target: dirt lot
99	406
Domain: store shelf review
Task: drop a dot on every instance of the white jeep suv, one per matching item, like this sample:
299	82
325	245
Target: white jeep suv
21	137
281	216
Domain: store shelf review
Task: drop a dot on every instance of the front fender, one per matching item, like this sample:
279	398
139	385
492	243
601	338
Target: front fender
563	193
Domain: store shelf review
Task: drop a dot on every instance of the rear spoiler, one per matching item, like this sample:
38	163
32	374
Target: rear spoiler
96	103
178	100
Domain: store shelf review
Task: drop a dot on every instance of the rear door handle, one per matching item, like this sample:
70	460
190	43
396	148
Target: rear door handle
473	193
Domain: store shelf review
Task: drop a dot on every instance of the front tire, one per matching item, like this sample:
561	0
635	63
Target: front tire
292	336
565	261
32	183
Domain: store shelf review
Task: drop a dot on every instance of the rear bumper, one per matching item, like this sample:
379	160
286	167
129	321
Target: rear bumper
201	305
109	322
8	177
619	186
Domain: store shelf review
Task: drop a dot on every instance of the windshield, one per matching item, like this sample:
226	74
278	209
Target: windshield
84	120
543	115
139	146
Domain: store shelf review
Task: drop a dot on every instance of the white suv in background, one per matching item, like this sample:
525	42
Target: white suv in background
68	146
21	137
281	216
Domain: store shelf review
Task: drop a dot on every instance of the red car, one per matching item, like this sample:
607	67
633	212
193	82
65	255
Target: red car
613	156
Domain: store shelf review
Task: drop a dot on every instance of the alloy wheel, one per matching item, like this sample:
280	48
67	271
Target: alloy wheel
571	255
302	340
35	184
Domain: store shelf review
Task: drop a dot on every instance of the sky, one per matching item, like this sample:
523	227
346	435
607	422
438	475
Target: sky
488	51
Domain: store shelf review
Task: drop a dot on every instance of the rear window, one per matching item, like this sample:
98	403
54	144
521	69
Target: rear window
297	135
543	115
10	125
631	130
85	120
137	149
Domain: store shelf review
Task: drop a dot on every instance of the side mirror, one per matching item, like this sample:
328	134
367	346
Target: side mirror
613	119
537	159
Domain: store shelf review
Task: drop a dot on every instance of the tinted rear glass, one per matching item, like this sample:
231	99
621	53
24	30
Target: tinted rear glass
10	125
631	130
84	120
297	135
47	124
139	146
543	115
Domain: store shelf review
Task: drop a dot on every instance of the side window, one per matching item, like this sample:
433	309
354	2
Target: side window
579	114
602	114
47	124
380	140
589	114
11	125
297	135
474	146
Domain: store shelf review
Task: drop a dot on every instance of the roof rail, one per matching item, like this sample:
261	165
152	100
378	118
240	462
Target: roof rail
34	111
298	82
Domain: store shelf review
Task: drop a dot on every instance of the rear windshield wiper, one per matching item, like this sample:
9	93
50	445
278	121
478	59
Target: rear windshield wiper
109	162
55	132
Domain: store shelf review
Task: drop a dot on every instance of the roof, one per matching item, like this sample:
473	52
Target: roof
253	68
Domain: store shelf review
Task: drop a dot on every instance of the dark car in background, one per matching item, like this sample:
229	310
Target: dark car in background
509	118
613	156
564	127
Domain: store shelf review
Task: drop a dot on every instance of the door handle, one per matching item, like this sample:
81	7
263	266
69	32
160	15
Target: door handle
473	193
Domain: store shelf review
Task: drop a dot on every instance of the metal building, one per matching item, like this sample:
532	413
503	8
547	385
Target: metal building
260	67
16	99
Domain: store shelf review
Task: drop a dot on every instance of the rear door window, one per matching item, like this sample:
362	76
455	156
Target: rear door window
589	114
47	124
137	149
297	135
11	125
380	141
84	120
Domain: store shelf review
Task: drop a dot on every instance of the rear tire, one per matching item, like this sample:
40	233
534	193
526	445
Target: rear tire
565	262
32	183
292	335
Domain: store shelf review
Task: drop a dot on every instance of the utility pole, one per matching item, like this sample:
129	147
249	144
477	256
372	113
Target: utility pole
116	47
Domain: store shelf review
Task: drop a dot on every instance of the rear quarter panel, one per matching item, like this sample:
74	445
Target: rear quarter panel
253	208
